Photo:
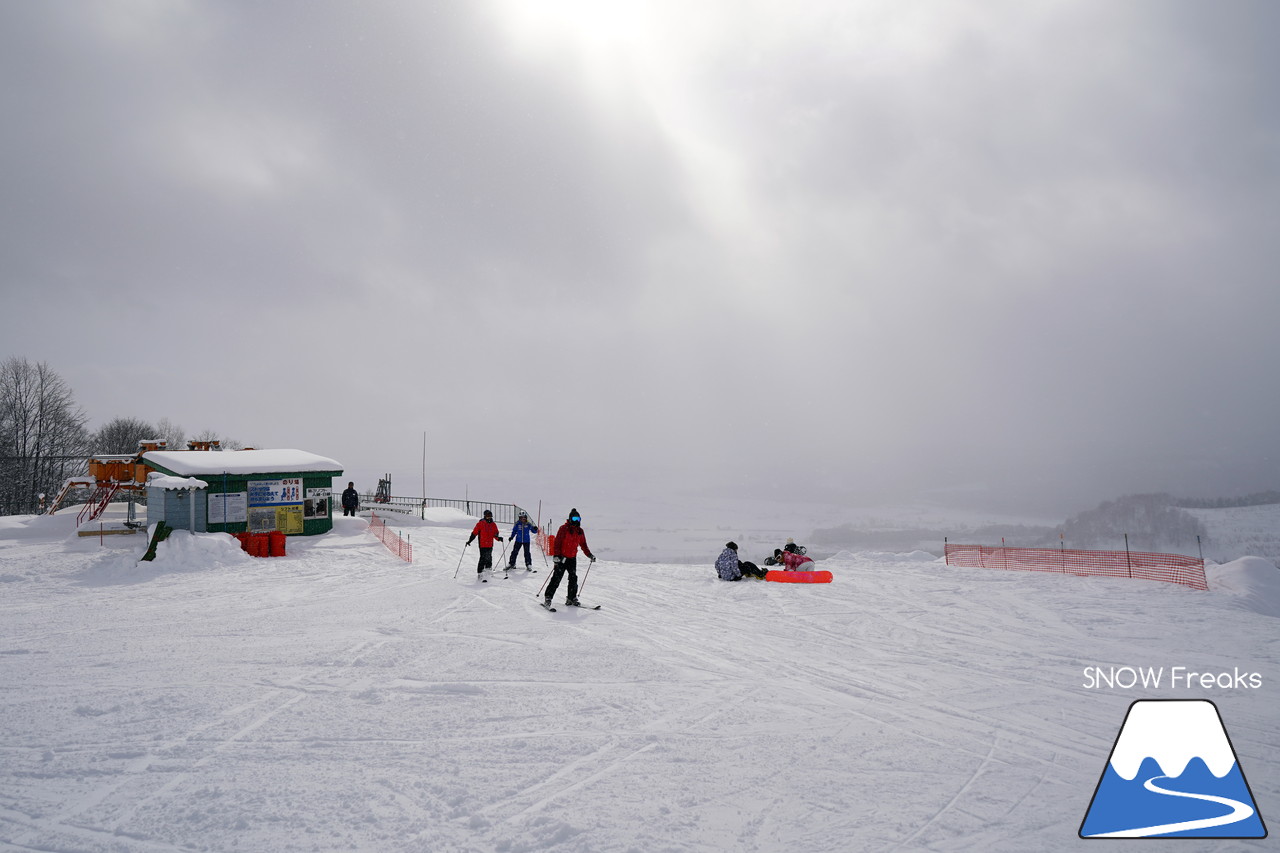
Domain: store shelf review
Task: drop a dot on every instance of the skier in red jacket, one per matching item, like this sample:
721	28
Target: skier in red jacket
487	531
569	538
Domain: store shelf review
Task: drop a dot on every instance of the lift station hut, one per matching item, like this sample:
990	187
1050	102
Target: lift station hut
243	490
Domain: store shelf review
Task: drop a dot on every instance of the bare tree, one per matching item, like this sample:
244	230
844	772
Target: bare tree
214	435
121	435
174	435
43	434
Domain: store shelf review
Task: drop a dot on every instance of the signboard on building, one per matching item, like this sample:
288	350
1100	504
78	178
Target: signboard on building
229	508
276	505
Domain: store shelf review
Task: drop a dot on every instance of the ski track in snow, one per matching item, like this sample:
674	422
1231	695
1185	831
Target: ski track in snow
339	699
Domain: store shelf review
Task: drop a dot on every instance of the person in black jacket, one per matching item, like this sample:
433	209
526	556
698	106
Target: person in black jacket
350	500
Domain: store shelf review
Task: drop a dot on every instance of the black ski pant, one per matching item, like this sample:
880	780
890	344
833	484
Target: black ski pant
570	565
486	559
348	510
528	557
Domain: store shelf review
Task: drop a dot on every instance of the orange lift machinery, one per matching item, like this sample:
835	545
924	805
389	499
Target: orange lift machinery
112	475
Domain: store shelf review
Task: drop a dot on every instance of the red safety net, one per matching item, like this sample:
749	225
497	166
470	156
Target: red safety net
400	547
546	541
1170	568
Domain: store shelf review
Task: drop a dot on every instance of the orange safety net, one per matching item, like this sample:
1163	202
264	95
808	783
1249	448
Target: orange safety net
390	538
1169	568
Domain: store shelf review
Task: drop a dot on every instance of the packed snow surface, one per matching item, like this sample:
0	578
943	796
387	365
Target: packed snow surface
339	699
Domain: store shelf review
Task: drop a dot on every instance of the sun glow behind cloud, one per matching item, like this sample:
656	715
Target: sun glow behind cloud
661	65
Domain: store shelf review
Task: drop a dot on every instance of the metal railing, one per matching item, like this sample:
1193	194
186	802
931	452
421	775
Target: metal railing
503	513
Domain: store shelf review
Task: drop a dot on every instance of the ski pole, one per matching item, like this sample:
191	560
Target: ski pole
586	575
460	556
545	582
504	555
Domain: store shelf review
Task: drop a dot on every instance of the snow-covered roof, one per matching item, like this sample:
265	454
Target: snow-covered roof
188	463
162	481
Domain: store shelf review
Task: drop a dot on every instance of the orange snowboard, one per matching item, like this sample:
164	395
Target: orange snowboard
798	577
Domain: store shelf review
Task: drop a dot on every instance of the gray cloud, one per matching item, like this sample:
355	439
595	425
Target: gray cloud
876	250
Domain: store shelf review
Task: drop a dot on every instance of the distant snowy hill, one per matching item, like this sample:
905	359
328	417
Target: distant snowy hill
1242	531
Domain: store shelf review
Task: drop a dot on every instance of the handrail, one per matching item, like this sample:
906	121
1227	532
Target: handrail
503	513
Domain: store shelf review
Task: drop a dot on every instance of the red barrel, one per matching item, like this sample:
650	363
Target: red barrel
275	546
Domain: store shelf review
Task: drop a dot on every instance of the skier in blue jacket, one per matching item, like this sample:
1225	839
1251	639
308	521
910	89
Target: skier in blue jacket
520	535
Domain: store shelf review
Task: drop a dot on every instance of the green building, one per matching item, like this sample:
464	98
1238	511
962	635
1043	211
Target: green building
247	490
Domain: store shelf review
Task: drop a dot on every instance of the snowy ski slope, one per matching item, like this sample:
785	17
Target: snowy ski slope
339	699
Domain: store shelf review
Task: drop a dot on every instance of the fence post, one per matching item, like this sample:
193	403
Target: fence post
1128	562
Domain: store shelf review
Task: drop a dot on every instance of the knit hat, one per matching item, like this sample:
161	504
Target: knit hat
574	515
732	546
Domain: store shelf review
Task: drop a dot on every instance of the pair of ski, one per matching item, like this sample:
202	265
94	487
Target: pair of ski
505	576
546	606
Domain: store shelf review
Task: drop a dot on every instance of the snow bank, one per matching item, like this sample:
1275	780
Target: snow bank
884	557
436	516
447	516
199	551
1253	581
183	552
47	527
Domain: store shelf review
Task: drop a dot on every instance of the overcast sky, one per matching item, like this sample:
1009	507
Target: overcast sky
990	251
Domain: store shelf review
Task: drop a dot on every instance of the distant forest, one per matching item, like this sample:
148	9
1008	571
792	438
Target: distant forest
1258	499
1151	522
45	439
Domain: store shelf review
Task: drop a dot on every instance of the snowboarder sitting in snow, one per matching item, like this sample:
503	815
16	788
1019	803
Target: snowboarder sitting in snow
487	530
729	568
520	535
791	561
569	538
790	548
727	563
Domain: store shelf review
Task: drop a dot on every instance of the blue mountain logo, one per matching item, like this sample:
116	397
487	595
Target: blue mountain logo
1173	773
